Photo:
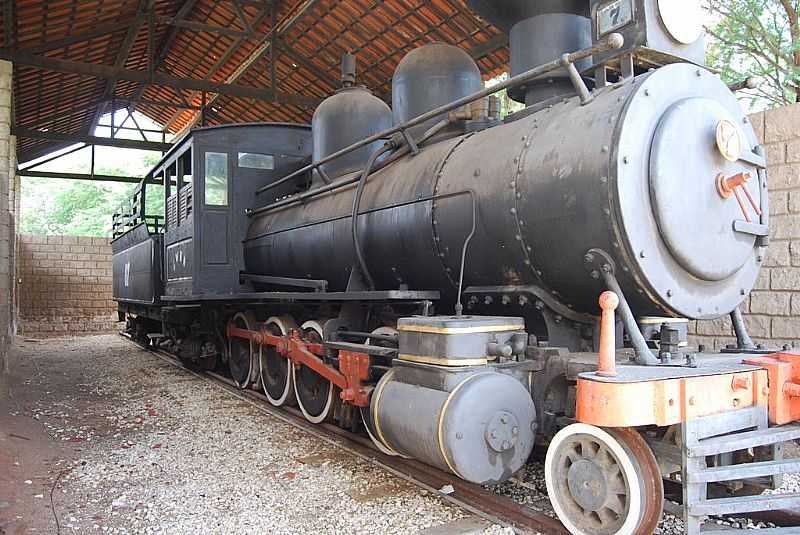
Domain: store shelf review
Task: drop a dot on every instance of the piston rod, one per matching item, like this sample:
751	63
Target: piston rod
613	41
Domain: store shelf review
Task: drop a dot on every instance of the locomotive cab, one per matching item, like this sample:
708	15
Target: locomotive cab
211	177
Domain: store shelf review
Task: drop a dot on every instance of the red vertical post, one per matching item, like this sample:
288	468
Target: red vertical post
607	362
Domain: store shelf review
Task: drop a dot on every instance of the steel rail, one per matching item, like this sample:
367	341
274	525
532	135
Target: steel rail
468	496
613	41
473	498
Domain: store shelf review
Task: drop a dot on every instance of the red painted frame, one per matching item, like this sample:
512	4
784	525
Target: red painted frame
353	366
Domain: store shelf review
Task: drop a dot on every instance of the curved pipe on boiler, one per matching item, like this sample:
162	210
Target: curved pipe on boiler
362	262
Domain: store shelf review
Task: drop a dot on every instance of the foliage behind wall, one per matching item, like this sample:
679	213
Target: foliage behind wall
77	207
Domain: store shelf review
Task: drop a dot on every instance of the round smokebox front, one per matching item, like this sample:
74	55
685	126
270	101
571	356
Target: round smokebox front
692	201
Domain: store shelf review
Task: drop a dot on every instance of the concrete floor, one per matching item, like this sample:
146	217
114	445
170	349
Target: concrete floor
98	436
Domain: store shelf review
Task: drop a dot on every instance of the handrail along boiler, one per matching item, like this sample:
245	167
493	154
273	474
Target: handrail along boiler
321	265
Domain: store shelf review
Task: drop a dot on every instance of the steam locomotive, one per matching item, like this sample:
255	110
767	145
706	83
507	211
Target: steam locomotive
429	273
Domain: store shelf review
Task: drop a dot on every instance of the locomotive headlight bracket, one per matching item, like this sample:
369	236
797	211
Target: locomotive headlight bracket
656	32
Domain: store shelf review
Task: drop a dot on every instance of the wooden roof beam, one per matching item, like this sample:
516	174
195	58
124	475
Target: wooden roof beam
122	58
492	45
81	176
278	32
130	101
203	27
97	31
166	44
91	140
223	59
155	59
107	72
10	22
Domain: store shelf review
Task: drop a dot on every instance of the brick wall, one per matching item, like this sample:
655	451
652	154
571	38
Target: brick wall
64	286
772	310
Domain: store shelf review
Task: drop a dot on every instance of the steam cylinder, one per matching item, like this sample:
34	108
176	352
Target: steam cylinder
633	173
349	115
430	76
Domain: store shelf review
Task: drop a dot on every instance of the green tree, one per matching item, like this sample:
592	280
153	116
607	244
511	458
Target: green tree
761	39
82	207
77	208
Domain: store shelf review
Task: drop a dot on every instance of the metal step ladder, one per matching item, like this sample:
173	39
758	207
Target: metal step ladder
721	435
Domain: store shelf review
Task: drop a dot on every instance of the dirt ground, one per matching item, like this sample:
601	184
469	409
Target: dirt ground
99	436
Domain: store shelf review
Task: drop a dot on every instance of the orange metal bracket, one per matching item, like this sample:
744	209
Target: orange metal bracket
731	185
355	367
667	401
301	352
784	385
606	399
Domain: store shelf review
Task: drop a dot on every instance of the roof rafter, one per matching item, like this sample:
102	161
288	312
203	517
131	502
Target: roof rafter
154	62
122	58
203	27
97	31
278	31
90	140
10	22
223	60
81	176
104	71
247	60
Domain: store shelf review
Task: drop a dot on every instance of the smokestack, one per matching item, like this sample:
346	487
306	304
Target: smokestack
540	31
348	70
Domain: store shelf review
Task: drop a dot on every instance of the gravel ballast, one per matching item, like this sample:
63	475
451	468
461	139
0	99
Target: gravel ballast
147	447
150	448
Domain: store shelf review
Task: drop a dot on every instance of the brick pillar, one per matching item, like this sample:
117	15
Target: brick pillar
14	200
7	185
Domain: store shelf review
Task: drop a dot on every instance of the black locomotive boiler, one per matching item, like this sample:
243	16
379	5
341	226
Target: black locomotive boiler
429	273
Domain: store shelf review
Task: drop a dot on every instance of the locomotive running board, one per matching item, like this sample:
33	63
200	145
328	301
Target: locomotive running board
259	297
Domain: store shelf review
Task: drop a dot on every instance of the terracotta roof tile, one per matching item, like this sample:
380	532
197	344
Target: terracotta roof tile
379	32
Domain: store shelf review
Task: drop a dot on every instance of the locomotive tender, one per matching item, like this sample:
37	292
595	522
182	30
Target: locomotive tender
429	273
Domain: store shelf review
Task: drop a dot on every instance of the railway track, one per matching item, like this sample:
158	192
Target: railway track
468	496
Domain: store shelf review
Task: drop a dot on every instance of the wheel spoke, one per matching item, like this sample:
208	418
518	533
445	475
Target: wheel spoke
572	456
314	393
276	372
616	503
607	516
588	450
617	485
606	459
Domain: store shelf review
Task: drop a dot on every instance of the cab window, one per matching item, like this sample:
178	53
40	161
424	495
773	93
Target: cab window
216	179
253	160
